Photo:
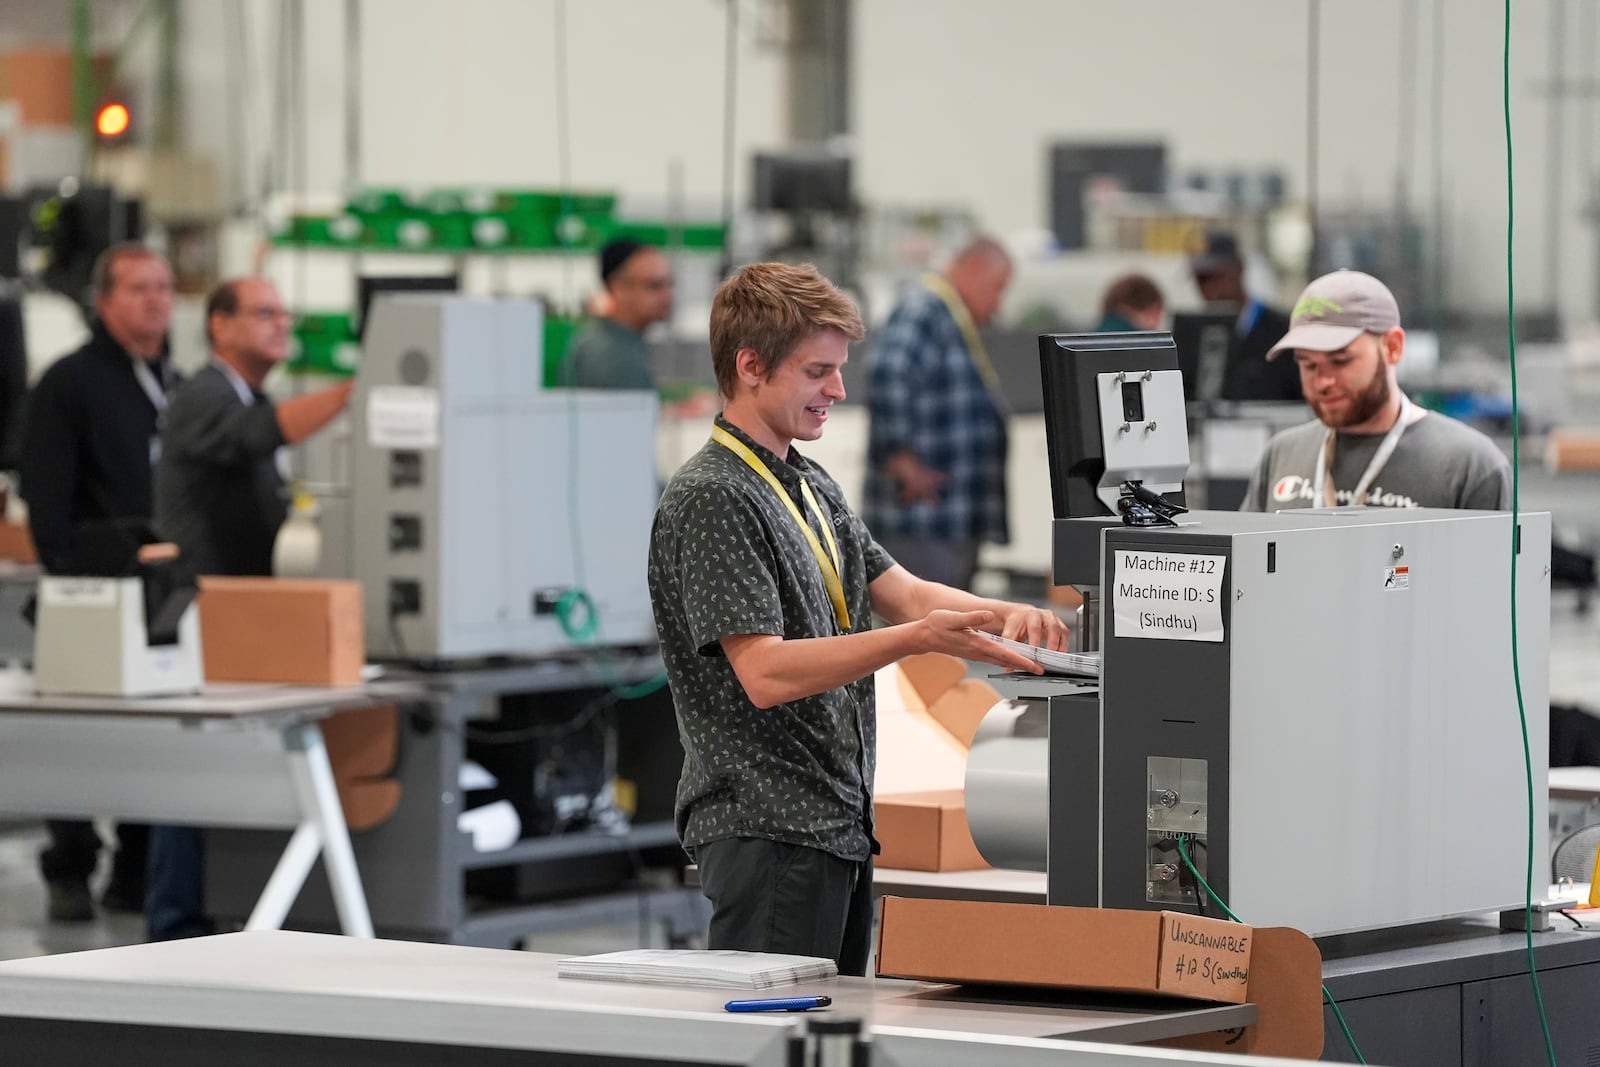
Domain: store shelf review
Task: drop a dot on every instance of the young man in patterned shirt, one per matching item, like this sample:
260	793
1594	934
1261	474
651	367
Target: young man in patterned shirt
764	584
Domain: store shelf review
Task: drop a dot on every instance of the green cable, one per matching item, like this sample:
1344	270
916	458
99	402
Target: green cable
1516	486
592	627
1183	850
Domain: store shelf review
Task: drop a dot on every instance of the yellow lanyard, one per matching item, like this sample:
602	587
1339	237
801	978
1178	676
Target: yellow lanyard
969	333
827	561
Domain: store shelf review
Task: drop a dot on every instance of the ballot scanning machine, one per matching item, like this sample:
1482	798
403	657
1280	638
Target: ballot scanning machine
1315	707
490	516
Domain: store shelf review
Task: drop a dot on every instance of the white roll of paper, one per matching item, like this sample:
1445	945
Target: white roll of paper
1008	787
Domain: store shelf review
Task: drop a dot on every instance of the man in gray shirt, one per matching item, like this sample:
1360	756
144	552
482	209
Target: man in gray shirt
610	353
1369	444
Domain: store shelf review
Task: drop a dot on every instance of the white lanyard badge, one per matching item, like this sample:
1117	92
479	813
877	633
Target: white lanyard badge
1322	489
150	384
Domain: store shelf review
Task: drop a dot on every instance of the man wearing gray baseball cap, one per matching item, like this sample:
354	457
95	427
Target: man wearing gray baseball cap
1369	444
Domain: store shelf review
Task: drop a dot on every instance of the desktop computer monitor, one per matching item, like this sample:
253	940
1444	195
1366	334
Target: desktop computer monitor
1113	413
801	182
1202	339
369	286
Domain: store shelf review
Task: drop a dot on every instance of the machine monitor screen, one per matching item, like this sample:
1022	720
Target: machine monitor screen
368	286
1070	366
1203	338
801	182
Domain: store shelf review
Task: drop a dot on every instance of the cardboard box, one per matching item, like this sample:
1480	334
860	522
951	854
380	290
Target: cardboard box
928	675
1123	951
16	544
362	746
925	832
303	631
1075	948
961	708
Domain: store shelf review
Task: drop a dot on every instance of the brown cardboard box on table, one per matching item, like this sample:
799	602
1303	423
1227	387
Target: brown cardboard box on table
16	544
1139	952
302	631
925	832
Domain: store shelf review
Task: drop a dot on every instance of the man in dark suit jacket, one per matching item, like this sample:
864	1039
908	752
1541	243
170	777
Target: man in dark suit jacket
1219	275
87	448
219	495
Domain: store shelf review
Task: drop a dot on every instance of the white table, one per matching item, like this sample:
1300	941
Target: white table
234	755
408	1003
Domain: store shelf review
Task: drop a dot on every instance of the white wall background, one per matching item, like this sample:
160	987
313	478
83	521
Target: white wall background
957	100
953	102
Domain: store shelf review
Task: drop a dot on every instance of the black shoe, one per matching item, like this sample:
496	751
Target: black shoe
123	896
70	902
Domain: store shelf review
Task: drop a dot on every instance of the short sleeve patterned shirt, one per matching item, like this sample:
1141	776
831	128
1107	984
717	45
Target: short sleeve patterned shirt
727	558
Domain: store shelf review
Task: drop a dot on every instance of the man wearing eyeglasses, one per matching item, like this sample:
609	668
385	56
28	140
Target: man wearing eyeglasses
610	353
219	490
219	495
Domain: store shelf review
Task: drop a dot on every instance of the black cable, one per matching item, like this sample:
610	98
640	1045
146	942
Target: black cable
394	636
730	85
1570	918
534	732
1313	89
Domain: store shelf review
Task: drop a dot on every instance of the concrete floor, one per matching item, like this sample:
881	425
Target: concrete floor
24	930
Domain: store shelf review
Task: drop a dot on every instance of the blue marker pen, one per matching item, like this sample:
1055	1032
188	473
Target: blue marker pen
779	1004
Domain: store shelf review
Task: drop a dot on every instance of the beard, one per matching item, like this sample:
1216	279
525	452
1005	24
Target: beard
1362	406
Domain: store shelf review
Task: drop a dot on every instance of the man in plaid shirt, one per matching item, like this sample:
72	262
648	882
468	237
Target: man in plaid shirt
936	446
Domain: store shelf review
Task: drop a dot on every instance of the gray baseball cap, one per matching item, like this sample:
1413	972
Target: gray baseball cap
1336	309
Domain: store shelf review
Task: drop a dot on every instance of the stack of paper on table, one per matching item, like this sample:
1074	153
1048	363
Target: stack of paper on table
719	969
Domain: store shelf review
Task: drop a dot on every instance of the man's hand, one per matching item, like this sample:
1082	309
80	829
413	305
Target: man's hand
951	632
916	481
1036	626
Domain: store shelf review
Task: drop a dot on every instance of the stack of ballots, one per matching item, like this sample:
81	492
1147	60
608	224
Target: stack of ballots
717	969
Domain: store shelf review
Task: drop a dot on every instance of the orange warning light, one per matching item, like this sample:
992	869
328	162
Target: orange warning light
112	121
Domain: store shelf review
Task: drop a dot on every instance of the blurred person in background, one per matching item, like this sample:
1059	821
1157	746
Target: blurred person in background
89	443
937	430
1131	302
1218	270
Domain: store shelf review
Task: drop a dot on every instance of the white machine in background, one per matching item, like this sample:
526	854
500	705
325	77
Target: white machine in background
489	517
124	637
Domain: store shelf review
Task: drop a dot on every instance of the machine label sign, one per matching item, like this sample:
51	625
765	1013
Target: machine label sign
1167	596
403	417
1395	578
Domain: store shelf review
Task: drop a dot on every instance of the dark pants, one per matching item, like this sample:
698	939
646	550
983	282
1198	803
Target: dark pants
74	850
767	896
175	884
951	563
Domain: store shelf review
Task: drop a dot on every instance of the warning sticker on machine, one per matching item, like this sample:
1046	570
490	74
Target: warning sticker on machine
1396	578
1167	596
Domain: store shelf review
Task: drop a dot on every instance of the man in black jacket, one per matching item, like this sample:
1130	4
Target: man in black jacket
89	443
219	495
1219	275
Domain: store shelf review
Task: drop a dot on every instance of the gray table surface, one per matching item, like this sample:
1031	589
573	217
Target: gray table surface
284	982
218	700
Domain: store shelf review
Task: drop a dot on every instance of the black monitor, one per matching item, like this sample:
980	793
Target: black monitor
801	182
369	286
1203	339
1069	364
